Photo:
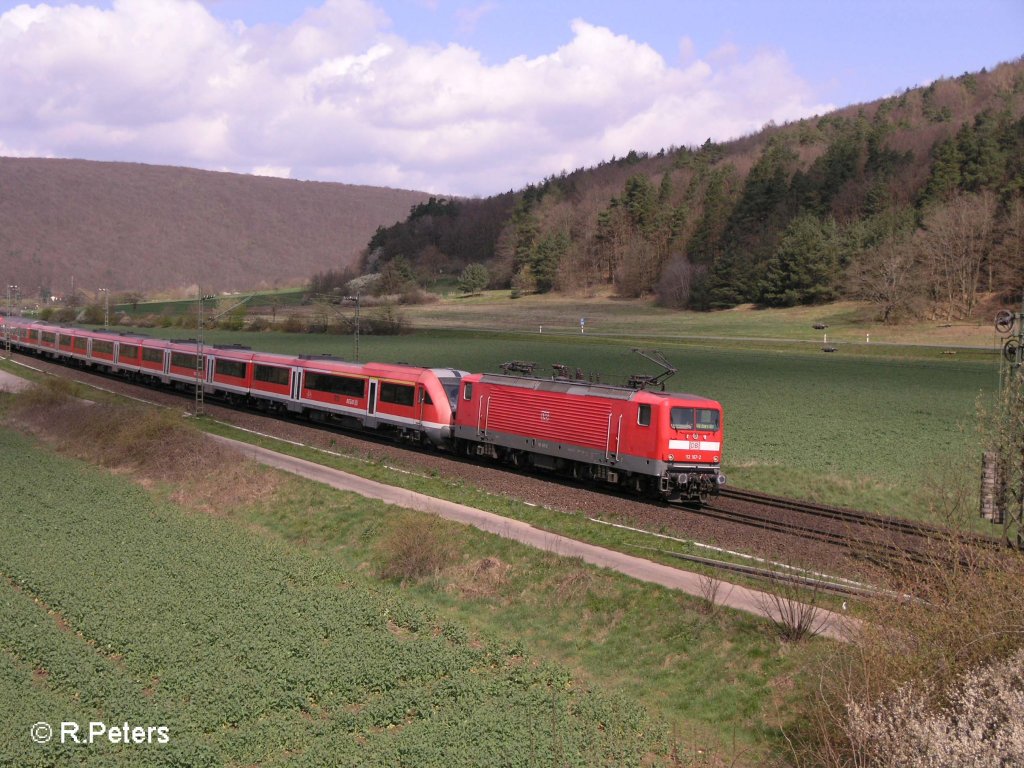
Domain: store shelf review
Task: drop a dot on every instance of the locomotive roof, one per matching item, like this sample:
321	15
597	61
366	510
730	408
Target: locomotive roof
581	387
554	385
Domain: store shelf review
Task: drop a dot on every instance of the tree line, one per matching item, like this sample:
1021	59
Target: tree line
913	203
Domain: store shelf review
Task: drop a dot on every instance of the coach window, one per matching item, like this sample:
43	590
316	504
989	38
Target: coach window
179	359
271	374
80	343
151	355
335	385
643	416
231	368
467	393
397	394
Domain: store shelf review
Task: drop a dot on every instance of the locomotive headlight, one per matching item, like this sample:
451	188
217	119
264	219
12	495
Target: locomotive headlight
716	459
671	457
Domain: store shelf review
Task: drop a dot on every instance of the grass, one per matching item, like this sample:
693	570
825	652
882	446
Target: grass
486	592
288	297
849	323
589	620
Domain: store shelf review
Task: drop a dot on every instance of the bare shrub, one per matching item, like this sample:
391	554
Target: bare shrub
710	590
575	583
794	608
415	546
484	578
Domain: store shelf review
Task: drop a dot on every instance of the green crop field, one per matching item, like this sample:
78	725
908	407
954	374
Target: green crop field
115	608
871	431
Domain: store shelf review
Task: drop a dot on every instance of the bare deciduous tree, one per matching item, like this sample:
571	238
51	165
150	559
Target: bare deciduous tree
677	281
888	276
953	244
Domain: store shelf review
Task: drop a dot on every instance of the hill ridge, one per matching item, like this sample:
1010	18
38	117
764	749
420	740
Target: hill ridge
135	226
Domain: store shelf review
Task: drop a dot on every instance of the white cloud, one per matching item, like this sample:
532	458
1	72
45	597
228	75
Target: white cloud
337	96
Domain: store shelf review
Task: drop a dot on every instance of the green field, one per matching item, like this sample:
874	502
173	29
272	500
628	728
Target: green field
876	431
116	607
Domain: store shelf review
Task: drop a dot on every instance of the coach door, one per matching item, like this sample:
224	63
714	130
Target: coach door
371	402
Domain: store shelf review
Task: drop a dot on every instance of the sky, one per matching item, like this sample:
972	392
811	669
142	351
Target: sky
462	97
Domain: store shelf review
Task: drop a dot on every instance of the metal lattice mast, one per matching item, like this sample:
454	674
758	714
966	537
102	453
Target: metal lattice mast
1002	485
200	405
11	291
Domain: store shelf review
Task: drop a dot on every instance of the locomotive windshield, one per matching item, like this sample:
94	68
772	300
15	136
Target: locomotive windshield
703	419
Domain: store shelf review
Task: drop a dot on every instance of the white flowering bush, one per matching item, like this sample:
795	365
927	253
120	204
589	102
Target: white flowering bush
977	723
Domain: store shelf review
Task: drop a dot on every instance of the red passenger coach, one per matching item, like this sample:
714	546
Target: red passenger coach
153	358
411	402
229	370
650	442
272	380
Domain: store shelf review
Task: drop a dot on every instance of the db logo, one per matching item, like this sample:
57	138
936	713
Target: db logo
545	416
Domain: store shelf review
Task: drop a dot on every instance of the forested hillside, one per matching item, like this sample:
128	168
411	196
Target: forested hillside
133	227
913	202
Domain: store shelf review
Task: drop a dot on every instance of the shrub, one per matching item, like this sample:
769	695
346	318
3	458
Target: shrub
414	548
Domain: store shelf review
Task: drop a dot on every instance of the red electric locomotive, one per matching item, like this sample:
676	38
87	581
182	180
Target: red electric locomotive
657	443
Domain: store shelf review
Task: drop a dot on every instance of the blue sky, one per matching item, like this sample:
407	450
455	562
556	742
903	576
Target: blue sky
456	97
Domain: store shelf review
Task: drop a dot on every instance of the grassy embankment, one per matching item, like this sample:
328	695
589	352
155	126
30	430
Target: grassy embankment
263	690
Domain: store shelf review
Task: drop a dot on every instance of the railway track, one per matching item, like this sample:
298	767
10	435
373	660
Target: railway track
854	517
878	538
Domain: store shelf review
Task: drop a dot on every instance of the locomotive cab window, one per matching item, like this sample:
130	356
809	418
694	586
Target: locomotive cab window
707	419
425	397
467	393
681	418
643	416
703	419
